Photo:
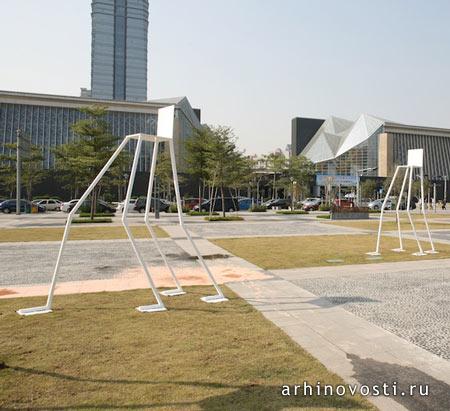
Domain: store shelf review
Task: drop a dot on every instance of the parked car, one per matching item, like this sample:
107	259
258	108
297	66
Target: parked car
245	203
163	205
282	203
231	204
131	205
9	206
102	207
376	204
50	204
312	203
67	206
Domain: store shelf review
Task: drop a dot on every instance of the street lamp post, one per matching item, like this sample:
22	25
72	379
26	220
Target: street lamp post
18	172
445	188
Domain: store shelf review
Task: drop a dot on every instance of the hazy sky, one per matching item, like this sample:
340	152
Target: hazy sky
254	64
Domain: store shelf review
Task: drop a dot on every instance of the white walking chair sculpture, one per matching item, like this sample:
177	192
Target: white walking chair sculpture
164	134
415	160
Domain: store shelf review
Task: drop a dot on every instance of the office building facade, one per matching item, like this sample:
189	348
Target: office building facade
373	147
47	119
119	50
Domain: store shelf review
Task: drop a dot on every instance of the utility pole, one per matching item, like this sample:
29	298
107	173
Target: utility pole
434	196
445	188
18	169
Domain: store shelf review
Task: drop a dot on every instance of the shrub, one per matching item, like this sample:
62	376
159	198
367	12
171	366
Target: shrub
221	218
324	207
173	209
194	213
97	215
258	209
336	209
292	212
324	216
89	221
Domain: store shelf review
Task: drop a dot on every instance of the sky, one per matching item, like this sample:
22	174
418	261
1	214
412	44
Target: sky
254	65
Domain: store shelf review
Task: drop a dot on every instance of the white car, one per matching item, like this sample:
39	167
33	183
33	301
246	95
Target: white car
50	204
67	206
376	204
131	205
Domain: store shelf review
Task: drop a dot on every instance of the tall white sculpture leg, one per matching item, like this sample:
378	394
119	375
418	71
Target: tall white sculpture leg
397	211
383	206
160	305
210	298
48	307
420	252
422	202
178	290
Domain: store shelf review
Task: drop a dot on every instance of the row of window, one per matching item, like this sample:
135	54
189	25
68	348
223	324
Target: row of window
51	126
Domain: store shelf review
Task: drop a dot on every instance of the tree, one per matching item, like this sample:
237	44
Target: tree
163	172
198	152
82	159
276	163
7	178
32	170
222	160
298	175
368	188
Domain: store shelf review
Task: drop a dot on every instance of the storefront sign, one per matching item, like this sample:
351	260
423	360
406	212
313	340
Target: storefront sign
336	180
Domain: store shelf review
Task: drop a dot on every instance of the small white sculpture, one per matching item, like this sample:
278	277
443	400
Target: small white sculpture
415	160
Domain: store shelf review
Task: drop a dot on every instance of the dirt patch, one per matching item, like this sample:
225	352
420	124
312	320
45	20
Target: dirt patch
5	291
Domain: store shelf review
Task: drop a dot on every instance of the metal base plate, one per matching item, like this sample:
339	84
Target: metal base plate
398	250
34	310
432	252
419	254
373	253
172	293
151	308
214	299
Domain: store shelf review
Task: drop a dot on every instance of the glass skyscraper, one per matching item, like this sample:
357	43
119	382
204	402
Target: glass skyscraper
119	49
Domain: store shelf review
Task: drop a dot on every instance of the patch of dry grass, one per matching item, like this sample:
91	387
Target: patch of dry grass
95	351
313	251
391	225
76	233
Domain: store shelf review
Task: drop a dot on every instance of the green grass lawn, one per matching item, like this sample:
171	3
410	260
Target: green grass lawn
76	233
95	351
313	251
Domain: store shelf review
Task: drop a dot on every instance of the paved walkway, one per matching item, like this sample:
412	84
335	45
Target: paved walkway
111	265
409	299
350	346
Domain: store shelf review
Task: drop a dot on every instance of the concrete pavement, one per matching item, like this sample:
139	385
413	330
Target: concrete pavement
352	347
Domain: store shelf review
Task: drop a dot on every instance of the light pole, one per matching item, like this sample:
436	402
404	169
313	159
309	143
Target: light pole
18	170
445	188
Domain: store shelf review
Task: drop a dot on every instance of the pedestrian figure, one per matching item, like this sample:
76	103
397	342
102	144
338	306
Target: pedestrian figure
444	203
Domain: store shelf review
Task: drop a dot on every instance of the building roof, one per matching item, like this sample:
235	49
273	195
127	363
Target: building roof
17	97
337	135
